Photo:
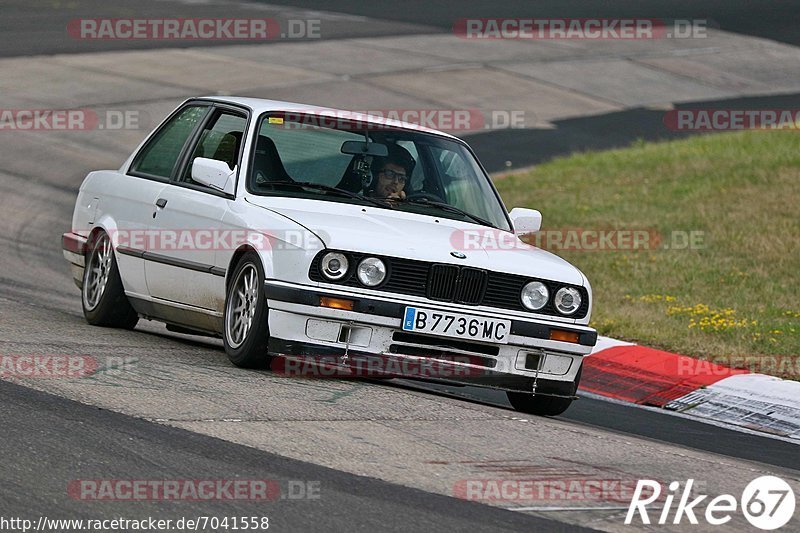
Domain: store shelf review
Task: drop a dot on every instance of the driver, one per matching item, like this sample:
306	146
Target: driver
390	174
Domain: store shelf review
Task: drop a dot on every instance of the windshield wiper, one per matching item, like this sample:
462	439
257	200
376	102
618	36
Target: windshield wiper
451	208
328	188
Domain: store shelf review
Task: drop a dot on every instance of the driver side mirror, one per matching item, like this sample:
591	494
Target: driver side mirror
214	173
525	220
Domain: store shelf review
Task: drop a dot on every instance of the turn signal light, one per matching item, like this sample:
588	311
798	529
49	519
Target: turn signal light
336	303
564	336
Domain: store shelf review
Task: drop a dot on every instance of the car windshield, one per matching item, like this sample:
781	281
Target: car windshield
304	156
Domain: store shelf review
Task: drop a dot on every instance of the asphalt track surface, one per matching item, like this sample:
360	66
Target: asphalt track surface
38	27
48	439
187	382
773	20
27	29
648	423
59	441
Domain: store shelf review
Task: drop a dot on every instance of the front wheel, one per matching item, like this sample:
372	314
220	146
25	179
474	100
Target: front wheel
246	333
102	295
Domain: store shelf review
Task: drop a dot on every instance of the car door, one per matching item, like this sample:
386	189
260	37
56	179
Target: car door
190	220
131	199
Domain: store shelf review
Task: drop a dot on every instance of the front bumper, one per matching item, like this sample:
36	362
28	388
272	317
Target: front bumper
300	327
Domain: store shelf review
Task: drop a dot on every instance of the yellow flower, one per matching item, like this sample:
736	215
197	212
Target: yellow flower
707	319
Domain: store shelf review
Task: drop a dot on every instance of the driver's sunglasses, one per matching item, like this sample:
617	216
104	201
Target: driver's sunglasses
392	175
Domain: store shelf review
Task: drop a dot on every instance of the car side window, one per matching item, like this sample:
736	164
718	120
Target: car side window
457	175
454	165
161	153
418	175
221	139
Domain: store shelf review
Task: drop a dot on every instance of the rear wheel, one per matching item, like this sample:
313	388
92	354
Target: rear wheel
246	331
102	295
543	405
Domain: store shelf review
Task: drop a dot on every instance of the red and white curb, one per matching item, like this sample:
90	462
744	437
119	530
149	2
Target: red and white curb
645	376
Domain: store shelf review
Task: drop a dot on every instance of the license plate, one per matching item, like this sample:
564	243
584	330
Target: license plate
446	324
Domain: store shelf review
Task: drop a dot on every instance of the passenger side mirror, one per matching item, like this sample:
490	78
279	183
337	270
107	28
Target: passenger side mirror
525	220
213	173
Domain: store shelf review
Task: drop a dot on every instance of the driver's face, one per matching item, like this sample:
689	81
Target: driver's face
391	181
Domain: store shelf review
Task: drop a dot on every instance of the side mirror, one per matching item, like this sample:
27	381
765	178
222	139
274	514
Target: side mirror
213	173
525	220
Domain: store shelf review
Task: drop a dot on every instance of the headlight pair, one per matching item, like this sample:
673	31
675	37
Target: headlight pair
535	296
371	271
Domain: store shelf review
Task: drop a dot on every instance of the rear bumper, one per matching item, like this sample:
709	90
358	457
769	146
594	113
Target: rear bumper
74	248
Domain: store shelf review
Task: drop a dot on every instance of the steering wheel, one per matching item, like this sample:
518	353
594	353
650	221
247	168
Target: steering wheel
419	195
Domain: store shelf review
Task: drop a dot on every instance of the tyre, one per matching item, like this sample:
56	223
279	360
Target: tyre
543	405
102	295
246	331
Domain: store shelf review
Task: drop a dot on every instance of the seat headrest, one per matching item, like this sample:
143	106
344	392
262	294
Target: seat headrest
228	148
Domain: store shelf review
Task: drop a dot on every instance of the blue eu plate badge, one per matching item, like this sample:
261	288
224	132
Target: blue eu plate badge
408	321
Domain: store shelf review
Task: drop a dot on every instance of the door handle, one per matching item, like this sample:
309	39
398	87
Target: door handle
161	202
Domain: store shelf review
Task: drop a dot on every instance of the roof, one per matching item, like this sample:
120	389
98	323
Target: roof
262	105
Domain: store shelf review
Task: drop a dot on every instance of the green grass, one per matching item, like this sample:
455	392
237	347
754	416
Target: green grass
737	295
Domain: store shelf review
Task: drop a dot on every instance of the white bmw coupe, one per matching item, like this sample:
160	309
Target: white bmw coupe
296	232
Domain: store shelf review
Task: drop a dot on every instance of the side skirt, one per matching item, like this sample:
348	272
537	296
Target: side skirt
201	321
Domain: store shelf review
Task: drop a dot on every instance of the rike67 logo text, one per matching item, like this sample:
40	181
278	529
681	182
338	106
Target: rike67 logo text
768	502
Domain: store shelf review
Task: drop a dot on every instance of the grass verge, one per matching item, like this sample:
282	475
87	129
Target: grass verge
732	295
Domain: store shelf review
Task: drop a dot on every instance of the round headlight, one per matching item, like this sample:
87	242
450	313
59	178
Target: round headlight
567	300
534	295
334	266
371	271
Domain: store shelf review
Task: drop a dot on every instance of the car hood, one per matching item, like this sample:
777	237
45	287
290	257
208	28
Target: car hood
395	233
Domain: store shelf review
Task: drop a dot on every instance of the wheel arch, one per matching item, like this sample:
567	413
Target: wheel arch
90	239
107	225
237	256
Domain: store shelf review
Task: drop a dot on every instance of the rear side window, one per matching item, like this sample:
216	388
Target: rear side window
221	140
159	156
